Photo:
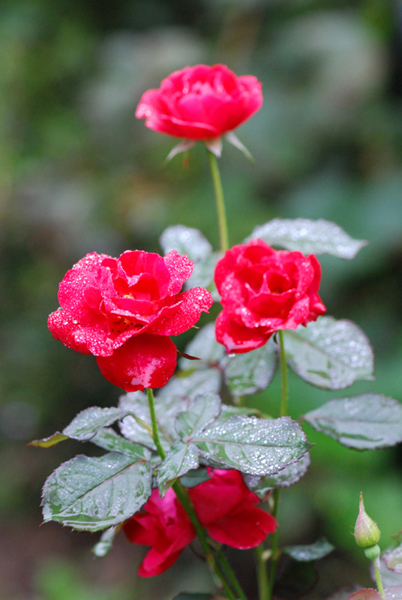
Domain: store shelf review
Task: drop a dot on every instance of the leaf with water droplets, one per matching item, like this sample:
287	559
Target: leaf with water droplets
137	427
205	347
309	237
363	422
180	459
250	372
251	445
310	552
95	493
202	411
106	541
329	354
288	476
108	439
84	426
185	240
190	385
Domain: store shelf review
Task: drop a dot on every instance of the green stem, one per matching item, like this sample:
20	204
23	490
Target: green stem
378	577
230	575
220	201
155	434
185	501
284	397
263	585
274	546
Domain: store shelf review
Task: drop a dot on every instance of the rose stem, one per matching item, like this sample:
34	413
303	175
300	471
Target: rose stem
230	574
185	501
263	586
378	579
284	408
220	202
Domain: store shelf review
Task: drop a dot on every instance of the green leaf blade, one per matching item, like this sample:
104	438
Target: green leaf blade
53	440
185	240
202	411
329	354
89	421
253	446
178	461
95	493
285	478
310	552
250	372
363	422
309	237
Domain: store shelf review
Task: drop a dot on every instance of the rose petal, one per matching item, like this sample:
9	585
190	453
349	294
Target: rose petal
237	338
244	528
190	306
143	361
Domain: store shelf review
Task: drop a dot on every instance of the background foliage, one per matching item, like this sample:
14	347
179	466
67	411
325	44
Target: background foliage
78	173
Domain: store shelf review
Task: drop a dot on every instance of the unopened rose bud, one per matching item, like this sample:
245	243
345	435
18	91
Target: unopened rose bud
366	533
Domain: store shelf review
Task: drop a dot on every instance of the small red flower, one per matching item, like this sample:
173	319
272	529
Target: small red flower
123	310
200	103
224	506
264	290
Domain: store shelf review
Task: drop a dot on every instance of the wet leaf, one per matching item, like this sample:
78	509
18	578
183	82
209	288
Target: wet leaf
310	552
205	347
180	459
251	445
329	354
288	476
106	542
185	240
87	422
202	411
363	422
309	237
190	385
108	439
95	493
250	372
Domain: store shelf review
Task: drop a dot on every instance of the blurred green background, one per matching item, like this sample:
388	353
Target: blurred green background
78	173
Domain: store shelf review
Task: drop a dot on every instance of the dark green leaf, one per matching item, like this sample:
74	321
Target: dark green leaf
194	477
54	439
96	493
186	241
193	596
230	411
202	411
86	423
205	347
288	476
393	559
105	543
180	459
329	354
309	237
363	422
251	445
250	372
310	552
108	439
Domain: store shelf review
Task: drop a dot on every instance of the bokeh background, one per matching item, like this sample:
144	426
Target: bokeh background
78	173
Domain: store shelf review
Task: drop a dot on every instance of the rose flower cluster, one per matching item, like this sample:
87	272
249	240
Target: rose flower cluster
124	310
224	506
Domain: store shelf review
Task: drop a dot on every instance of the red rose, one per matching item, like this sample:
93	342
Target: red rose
227	509
224	506
264	290
165	526
123	310
200	102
